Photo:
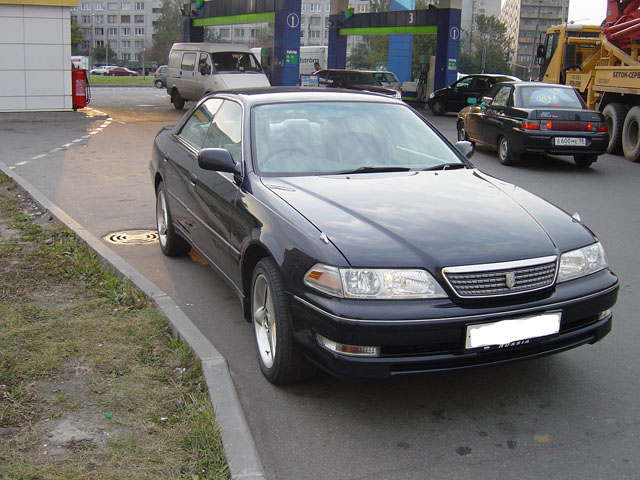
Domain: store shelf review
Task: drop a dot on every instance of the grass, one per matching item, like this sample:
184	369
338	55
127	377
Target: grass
107	80
92	385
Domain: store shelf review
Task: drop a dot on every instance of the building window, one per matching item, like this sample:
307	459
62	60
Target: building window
86	18
139	6
98	18
253	33
99	32
85	6
125	18
112	6
138	18
125	6
85	44
138	31
126	56
139	44
86	32
125	31
112	19
314	34
99	43
126	43
225	32
315	21
112	32
238	32
98	6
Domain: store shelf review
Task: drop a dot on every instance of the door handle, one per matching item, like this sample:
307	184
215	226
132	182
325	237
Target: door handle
193	180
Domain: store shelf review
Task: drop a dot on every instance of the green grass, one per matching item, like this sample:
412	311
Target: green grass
82	347
107	80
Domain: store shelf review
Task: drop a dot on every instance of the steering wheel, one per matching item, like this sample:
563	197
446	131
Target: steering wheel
290	151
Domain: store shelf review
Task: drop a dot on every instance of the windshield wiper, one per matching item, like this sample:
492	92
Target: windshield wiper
446	166
372	169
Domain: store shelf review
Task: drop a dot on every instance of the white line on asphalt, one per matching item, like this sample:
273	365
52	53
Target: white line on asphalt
19	164
37	157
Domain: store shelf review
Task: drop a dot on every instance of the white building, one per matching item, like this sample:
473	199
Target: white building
35	55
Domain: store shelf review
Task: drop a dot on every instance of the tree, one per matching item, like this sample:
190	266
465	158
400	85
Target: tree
99	54
168	30
76	37
486	49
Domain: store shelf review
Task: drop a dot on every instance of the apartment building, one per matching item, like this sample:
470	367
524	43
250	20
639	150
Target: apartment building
526	22
126	26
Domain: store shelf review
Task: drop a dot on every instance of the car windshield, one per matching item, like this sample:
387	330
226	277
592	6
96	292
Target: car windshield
535	96
310	138
235	62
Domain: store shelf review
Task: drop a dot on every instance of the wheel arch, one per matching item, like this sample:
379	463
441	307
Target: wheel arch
250	258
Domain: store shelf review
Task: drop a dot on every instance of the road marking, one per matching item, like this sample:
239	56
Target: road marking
22	163
37	157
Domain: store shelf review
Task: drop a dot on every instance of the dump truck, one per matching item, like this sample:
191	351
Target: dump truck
602	62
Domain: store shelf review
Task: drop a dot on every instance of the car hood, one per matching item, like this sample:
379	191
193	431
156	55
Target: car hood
430	219
244	79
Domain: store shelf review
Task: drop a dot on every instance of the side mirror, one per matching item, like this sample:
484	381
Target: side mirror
217	160
472	100
466	148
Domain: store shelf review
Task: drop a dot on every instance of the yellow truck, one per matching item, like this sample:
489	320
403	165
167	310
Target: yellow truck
603	64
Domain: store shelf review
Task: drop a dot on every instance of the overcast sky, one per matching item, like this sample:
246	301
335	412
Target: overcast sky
587	11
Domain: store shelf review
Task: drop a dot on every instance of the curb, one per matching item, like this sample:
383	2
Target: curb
239	447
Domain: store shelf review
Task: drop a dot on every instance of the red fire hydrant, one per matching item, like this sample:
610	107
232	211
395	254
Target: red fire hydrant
79	88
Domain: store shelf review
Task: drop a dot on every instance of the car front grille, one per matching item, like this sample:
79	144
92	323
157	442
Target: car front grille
501	279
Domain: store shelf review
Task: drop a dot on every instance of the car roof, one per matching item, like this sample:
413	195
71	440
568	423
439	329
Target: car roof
211	47
265	95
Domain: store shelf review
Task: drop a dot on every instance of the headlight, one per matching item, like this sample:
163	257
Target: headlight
432	94
373	283
581	262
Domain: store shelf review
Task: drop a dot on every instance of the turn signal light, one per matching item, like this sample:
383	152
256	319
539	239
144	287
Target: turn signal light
603	128
353	350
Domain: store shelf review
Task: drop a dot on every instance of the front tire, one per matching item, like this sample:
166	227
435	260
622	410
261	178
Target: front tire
505	155
279	362
462	132
438	107
171	243
631	135
584	161
177	100
159	84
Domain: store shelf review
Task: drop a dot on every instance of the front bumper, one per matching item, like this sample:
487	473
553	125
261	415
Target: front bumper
436	341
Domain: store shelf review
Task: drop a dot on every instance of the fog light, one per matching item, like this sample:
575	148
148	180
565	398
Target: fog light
354	350
604	314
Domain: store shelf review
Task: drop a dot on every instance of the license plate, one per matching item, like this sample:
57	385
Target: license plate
507	332
569	142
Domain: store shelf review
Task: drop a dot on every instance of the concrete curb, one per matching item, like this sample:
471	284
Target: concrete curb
242	456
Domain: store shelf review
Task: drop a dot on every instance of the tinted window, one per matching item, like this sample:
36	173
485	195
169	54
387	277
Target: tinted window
235	62
544	96
463	82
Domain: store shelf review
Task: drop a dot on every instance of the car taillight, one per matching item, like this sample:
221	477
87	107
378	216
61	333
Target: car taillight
603	128
530	125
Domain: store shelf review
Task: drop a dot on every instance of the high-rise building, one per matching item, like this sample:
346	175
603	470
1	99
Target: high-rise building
126	26
526	22
472	8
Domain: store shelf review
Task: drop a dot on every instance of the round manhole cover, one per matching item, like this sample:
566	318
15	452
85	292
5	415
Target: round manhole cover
132	237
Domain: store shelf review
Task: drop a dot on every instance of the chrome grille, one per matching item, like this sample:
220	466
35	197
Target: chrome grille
501	279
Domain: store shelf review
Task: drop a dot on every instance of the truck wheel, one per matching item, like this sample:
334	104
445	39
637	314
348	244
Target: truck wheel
614	117
177	100
631	135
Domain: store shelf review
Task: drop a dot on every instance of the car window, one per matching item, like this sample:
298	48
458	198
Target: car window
235	62
463	82
226	129
480	83
204	64
545	96
195	128
502	97
189	61
334	137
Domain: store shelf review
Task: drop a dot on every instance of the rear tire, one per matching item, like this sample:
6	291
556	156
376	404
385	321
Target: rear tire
462	132
614	114
177	100
159	84
171	244
279	362
505	155
631	135
584	161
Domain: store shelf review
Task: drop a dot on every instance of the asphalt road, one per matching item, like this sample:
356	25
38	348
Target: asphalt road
571	416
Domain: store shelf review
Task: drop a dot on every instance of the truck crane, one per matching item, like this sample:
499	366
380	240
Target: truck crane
602	62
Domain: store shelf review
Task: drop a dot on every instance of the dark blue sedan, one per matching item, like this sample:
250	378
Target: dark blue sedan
360	241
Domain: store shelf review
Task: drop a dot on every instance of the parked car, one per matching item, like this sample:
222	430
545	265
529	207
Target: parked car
533	117
160	76
102	70
359	240
455	97
353	80
122	72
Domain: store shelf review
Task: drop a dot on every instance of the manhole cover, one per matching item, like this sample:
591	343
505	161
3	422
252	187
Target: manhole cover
132	237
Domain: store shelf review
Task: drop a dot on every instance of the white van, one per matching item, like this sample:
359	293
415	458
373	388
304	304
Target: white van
196	69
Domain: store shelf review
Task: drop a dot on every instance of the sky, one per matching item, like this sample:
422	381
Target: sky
590	12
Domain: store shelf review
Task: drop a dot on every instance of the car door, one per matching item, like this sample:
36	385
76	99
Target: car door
202	76
456	96
493	123
186	82
180	166
216	192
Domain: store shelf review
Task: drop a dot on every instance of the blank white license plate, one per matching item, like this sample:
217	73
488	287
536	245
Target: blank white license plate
569	142
505	332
